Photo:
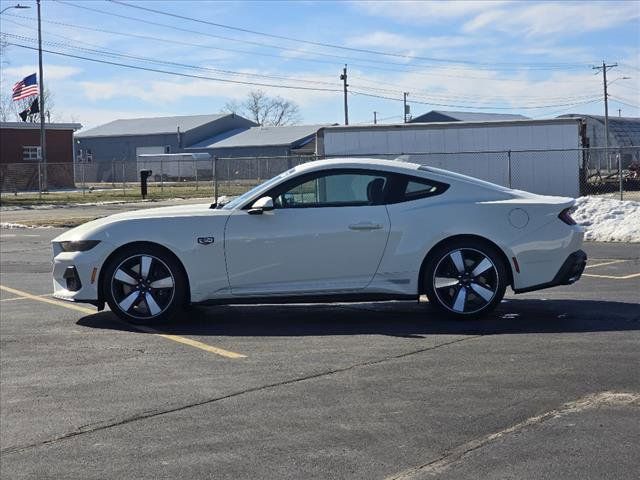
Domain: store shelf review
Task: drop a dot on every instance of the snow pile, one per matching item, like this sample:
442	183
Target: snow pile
12	225
608	220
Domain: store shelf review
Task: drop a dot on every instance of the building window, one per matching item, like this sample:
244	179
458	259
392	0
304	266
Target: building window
30	154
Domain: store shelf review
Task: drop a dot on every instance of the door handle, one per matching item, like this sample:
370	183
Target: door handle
365	226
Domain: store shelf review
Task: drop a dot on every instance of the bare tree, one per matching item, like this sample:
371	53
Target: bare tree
10	110
266	110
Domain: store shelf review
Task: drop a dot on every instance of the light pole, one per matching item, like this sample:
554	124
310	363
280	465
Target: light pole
17	6
43	144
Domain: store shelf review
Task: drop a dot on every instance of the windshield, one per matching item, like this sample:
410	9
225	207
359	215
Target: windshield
236	202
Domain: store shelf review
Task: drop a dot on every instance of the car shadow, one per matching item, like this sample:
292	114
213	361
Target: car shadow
398	319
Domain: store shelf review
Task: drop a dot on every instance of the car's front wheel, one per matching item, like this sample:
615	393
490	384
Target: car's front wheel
465	278
144	285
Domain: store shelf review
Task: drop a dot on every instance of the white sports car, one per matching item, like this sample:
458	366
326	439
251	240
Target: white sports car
332	230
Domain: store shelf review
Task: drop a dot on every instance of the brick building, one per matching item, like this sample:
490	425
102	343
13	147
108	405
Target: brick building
20	155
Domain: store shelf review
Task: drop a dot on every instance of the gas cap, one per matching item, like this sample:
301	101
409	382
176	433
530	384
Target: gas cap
518	218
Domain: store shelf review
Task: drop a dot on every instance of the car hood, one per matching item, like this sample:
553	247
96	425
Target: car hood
94	228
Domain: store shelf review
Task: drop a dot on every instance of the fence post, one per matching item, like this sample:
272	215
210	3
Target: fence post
124	189
161	176
214	166
620	174
195	167
509	166
84	184
39	180
113	173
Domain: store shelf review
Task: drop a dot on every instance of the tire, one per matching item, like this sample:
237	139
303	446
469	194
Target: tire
144	285
465	278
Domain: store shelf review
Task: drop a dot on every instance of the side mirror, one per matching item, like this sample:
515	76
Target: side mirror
263	204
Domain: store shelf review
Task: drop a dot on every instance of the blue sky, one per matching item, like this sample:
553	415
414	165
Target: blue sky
501	56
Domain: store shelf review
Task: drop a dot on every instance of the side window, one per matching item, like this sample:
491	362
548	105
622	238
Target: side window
418	189
406	188
334	190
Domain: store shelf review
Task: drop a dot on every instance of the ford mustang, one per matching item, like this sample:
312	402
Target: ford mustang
331	230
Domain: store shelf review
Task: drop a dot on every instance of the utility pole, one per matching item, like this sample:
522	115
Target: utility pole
43	145
604	69
343	77
405	112
375	118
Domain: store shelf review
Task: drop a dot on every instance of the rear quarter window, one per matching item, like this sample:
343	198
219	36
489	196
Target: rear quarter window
406	188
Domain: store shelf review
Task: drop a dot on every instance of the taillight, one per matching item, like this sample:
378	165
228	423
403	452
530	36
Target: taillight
565	216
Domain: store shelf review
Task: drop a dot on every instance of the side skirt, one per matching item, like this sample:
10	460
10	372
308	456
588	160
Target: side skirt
330	298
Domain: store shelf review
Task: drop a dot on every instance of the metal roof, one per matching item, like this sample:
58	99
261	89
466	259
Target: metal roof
260	136
151	126
465	116
624	130
36	126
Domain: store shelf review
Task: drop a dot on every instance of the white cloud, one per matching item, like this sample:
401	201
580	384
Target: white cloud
462	88
547	18
169	92
51	72
382	39
518	18
425	11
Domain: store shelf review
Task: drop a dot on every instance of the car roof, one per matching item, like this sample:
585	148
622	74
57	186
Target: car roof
351	162
397	166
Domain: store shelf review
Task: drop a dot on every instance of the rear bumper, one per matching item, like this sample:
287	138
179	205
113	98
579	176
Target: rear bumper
569	273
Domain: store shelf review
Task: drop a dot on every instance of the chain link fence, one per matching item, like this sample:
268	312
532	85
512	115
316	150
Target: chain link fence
613	172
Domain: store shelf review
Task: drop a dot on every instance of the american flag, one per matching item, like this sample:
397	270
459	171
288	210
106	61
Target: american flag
27	87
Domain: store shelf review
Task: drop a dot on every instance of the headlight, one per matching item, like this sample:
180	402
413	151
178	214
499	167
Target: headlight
79	246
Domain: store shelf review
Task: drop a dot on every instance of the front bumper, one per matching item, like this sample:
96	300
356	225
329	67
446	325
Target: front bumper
76	274
570	272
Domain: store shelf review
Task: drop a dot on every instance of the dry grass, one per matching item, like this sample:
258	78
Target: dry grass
129	193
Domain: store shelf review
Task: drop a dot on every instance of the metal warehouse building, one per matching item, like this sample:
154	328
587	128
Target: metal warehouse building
281	148
447	116
123	140
259	141
623	131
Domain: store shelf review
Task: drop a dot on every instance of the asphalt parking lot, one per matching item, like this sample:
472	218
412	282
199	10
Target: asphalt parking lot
546	387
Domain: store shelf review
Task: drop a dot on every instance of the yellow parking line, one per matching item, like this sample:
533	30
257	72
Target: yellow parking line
606	263
23	298
612	277
141	328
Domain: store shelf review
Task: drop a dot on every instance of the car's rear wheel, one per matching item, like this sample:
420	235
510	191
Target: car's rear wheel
144	285
465	278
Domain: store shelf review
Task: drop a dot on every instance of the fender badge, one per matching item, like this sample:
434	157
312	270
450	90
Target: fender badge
205	240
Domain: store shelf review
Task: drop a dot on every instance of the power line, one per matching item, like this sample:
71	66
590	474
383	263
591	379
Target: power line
206	34
340	58
293	87
627	65
342	47
622	85
417	69
623	102
420	94
114	53
186	75
564	110
461	106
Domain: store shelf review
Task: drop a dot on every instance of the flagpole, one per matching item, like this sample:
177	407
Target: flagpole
43	150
